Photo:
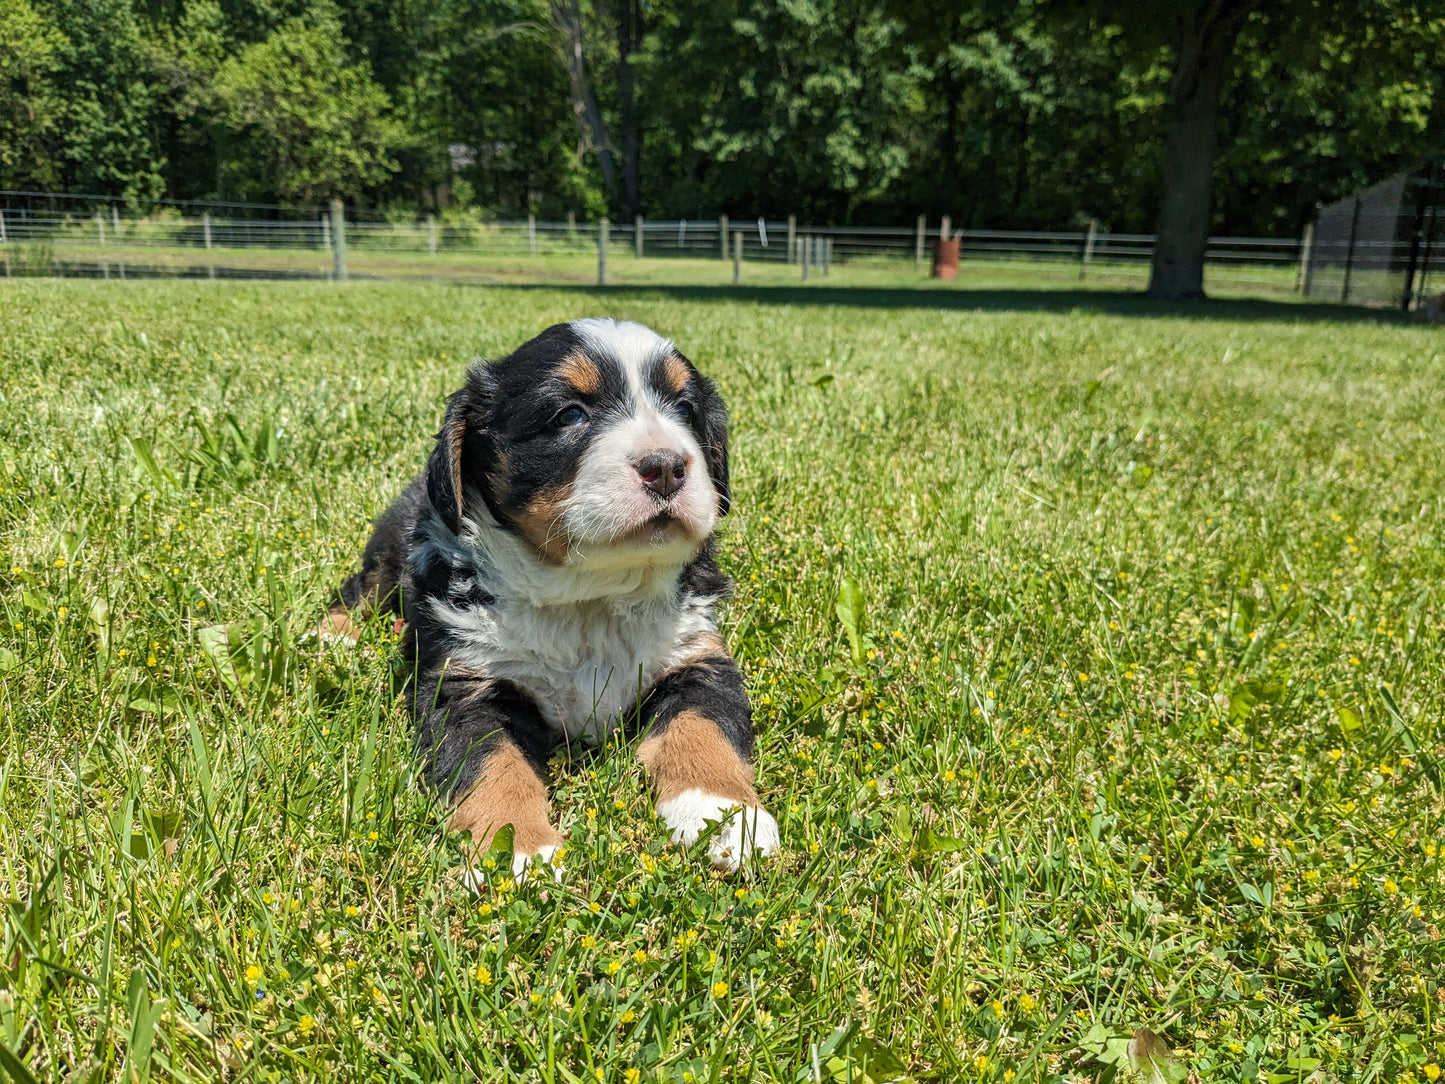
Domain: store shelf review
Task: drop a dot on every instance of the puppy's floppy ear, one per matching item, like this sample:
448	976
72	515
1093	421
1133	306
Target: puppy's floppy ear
457	445
715	442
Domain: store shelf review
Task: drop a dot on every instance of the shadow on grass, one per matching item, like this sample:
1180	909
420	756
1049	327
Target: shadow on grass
983	299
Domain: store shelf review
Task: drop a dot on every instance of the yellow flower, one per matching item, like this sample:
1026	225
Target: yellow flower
997	1007
351	910
640	956
1390	887
484	910
267	898
1432	1072
1027	1004
253	975
306	1025
630	1076
949	776
719	989
981	1062
1335	754
627	1017
483	976
373	836
614	966
594	907
588	940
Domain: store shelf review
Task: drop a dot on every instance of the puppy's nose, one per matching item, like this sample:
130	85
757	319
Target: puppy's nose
662	472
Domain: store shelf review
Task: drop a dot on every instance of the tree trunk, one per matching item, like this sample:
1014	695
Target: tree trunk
629	37
567	15
1202	40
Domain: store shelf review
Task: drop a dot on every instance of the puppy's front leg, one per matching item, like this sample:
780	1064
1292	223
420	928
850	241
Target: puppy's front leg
485	743
697	751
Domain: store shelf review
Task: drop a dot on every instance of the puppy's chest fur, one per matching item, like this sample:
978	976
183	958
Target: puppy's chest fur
585	664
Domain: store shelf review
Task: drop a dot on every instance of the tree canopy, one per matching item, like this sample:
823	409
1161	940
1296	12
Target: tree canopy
1035	114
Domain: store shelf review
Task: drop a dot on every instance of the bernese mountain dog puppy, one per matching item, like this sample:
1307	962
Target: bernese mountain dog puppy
554	567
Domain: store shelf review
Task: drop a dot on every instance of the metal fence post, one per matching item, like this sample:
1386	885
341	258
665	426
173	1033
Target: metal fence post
338	241
602	230
918	242
722	235
206	229
737	257
792	238
637	236
1306	248
531	235
2	225
325	234
1350	253
945	228
431	235
804	253
1087	255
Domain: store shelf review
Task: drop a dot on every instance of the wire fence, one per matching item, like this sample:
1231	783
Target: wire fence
42	234
1385	245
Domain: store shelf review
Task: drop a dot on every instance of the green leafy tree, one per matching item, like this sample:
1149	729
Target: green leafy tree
103	134
303	124
30	101
764	108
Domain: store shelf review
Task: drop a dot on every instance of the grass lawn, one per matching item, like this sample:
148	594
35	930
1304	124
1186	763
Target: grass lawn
1096	652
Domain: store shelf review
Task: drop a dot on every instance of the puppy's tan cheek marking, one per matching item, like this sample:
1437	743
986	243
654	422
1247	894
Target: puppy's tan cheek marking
582	373
675	373
507	792
692	754
538	522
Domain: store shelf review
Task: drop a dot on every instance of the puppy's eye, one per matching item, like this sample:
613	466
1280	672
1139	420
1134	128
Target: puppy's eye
689	411
569	416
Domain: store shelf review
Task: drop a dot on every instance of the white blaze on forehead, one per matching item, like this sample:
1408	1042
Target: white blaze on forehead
634	347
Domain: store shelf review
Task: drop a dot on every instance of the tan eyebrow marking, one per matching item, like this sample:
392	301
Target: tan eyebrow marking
582	373
674	371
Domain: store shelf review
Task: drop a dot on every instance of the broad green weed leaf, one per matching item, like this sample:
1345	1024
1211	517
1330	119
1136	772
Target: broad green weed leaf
1152	1060
849	609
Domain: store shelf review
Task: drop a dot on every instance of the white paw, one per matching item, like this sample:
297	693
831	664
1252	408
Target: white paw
478	877
743	831
546	857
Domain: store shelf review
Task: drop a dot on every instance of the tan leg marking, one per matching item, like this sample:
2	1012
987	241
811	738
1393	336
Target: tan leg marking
692	754
508	792
674	371
338	623
582	373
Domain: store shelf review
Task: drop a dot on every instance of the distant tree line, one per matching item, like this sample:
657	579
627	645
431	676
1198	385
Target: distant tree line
1040	113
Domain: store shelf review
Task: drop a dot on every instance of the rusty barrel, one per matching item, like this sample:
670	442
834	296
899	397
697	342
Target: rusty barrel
945	258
